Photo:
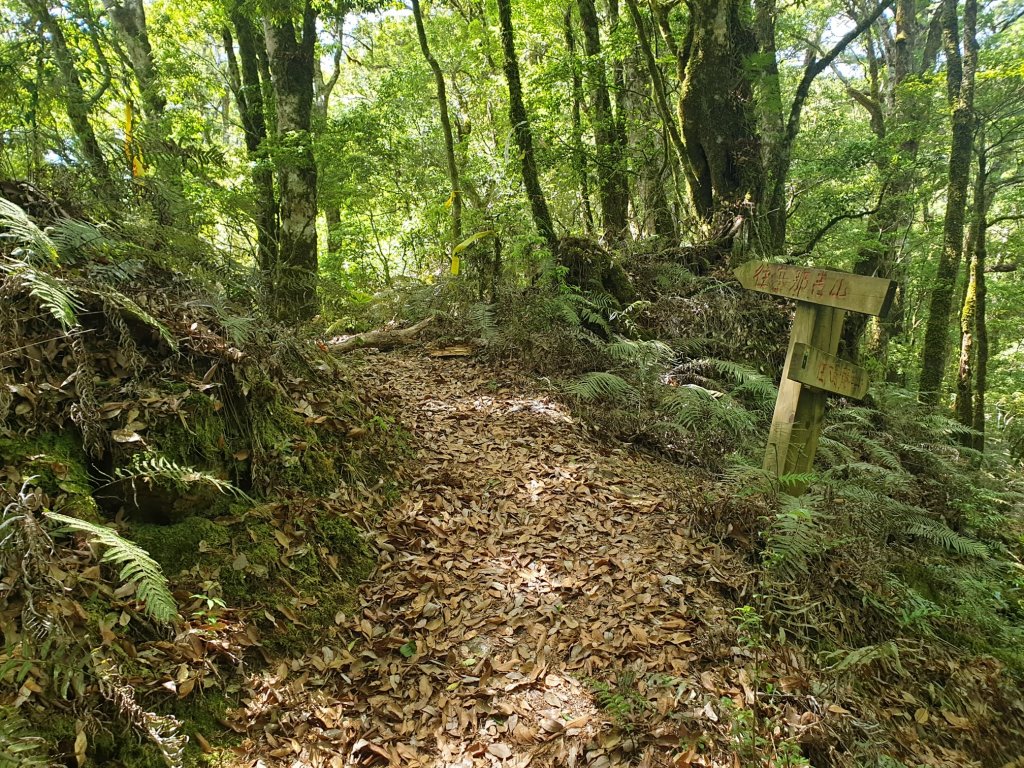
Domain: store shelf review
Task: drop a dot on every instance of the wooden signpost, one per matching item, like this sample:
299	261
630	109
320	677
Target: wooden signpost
812	368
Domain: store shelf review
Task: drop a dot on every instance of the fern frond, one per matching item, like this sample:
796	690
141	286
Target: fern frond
52	293
644	354
15	225
18	748
692	406
150	466
481	320
125	304
941	535
598	385
137	567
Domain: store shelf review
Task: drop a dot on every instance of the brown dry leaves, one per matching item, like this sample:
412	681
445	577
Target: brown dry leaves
524	561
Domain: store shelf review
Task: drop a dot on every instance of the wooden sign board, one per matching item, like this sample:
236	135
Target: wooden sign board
842	290
812	368
815	368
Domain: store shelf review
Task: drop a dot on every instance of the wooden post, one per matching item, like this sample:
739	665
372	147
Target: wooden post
796	423
811	368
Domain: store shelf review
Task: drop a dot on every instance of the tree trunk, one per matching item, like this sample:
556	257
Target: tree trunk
129	19
719	129
292	283
960	88
446	127
248	92
579	156
76	103
895	116
968	367
613	188
522	132
981	338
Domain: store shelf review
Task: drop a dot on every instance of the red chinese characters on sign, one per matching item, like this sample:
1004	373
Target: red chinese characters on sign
805	284
837	378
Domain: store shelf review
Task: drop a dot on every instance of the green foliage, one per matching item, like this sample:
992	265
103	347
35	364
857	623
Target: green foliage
151	467
18	747
137	567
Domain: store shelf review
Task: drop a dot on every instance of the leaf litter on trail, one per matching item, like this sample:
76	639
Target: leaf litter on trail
539	599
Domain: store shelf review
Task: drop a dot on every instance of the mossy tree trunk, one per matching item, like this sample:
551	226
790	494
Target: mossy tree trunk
292	283
960	69
579	155
969	378
246	85
521	131
129	20
446	126
76	103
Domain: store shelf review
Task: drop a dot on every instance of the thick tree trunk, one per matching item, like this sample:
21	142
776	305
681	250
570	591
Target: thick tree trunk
446	126
719	129
960	87
522	132
292	283
613	187
76	103
248	92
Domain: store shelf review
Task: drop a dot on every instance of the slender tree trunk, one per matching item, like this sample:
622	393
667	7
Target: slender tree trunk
76	103
960	87
981	338
658	89
967	369
446	126
613	188
579	155
293	282
886	227
248	92
522	132
129	20
970	380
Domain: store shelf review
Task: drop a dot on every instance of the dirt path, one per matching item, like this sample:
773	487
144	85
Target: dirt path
539	599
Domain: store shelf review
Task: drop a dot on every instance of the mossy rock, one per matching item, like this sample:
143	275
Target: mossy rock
257	572
59	464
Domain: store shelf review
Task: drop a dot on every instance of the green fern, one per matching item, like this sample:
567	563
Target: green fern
137	567
122	302
16	225
635	352
598	385
150	466
52	293
18	748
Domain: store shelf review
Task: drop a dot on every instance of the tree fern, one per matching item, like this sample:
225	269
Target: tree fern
136	565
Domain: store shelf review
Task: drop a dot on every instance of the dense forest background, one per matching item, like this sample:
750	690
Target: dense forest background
209	211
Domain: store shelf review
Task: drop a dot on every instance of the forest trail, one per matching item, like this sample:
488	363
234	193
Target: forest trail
539	598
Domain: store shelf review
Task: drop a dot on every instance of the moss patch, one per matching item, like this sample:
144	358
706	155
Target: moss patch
60	466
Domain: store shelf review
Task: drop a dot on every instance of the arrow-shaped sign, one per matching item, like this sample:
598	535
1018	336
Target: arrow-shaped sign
843	290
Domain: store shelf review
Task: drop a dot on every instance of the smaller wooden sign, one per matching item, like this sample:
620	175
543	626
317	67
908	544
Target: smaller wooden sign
816	368
842	290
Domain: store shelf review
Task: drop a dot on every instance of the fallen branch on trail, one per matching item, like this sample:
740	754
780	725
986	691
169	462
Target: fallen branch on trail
381	338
